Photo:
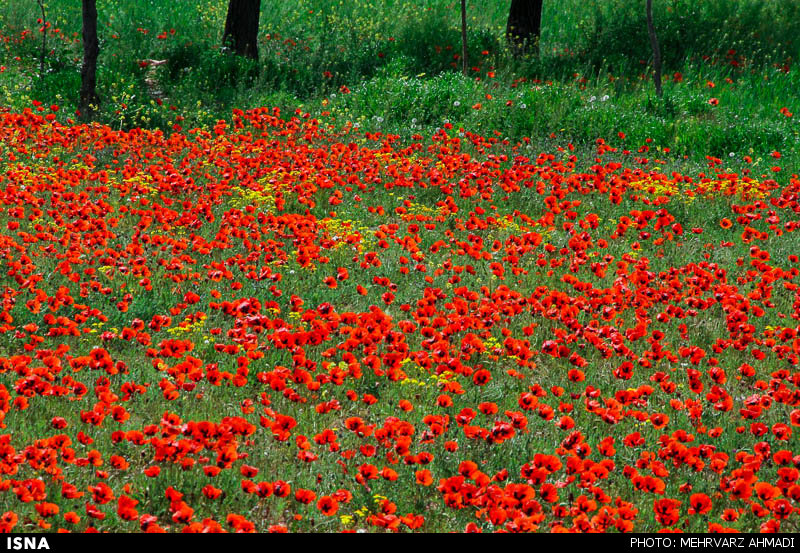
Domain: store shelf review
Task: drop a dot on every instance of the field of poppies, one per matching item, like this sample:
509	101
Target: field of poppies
275	324
345	288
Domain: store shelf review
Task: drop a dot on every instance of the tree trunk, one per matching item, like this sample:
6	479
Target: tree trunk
651	30
464	37
241	27
524	26
89	101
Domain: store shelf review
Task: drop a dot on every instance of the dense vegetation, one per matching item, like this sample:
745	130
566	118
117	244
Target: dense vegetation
344	287
398	60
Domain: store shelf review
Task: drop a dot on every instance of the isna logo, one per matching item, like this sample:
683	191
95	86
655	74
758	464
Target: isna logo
20	543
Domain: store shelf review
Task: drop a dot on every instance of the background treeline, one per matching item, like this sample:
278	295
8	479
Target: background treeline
728	67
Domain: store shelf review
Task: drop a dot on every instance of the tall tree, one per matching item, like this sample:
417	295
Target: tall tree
464	37
651	30
89	100
524	26
241	27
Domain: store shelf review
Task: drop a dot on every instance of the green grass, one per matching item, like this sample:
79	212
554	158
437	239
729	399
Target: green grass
273	457
399	62
389	67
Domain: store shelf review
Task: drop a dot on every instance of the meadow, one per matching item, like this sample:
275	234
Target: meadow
346	288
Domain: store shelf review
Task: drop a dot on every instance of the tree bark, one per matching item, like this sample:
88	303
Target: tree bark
464	37
524	26
241	27
89	100
651	30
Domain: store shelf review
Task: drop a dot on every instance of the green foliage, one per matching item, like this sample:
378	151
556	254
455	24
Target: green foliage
392	66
